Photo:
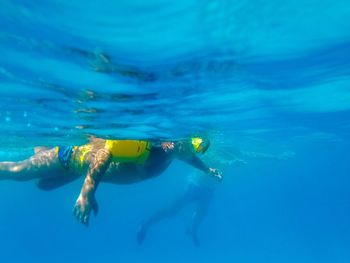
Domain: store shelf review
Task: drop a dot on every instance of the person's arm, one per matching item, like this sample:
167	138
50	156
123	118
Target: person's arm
86	200
185	154
196	162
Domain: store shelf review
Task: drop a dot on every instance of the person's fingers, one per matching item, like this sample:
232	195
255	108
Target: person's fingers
219	176
82	212
79	214
86	220
81	217
95	208
76	210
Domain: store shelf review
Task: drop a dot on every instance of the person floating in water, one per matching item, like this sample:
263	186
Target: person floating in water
112	161
200	191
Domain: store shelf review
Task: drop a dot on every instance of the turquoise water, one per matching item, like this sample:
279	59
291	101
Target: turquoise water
267	77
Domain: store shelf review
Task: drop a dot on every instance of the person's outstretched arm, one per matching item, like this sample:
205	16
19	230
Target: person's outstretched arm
184	153
86	200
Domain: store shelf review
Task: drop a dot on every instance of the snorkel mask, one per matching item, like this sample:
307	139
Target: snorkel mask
200	145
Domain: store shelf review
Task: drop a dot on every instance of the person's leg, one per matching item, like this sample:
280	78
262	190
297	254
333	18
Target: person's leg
43	164
197	218
160	215
200	212
52	183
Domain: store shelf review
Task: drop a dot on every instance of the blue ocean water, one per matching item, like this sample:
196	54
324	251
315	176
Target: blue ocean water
257	76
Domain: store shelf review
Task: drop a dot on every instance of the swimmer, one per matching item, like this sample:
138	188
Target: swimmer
100	160
200	191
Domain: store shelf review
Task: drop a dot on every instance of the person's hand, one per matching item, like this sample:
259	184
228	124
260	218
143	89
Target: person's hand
83	207
168	146
216	173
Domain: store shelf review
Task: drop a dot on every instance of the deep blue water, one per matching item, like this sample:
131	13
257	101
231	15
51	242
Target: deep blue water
256	76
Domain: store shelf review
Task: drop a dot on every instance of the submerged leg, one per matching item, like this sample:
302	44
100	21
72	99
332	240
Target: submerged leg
44	163
197	218
48	184
162	214
202	204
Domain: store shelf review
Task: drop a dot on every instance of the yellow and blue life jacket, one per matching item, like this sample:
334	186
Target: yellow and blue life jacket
129	150
125	151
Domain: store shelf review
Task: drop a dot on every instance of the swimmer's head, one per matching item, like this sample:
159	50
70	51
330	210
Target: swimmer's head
200	145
